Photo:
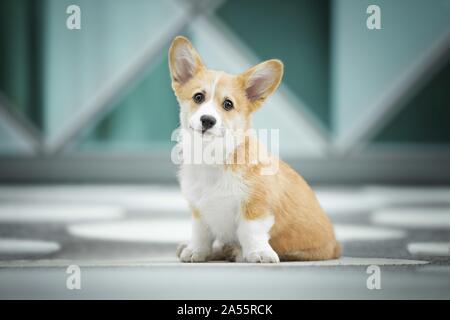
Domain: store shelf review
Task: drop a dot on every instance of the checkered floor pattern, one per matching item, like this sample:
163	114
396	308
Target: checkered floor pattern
123	238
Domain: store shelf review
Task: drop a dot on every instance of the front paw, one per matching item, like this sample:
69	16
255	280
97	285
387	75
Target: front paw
188	254
263	256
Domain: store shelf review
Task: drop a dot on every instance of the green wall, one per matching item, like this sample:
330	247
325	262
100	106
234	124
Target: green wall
298	33
333	63
20	56
145	116
426	118
81	63
368	63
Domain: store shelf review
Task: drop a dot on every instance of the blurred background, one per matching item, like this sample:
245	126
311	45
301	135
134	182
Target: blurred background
86	118
356	105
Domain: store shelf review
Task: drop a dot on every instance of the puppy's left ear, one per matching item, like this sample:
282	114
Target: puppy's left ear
184	61
262	80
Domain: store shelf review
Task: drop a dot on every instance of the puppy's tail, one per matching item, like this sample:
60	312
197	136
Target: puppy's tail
330	251
337	250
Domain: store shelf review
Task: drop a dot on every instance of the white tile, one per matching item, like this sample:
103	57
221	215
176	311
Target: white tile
439	249
338	200
362	232
177	230
421	218
57	213
132	197
342	201
390	195
160	231
27	247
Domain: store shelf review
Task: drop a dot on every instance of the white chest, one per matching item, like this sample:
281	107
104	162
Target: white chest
217	193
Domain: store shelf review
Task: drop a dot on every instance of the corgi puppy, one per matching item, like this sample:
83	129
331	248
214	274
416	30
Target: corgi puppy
239	212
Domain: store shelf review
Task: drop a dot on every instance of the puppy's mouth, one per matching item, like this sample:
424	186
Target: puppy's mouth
206	133
197	130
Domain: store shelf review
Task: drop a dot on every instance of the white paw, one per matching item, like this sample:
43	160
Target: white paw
180	248
263	256
188	254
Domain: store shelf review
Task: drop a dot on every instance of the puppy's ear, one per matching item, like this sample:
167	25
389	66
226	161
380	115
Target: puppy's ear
184	61
262	80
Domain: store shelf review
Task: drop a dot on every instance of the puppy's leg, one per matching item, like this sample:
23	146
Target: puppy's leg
254	237
199	247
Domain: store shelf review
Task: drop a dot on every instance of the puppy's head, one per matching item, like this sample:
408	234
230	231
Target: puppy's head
211	101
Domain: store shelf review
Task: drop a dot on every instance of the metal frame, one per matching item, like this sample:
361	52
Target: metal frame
371	167
388	105
29	135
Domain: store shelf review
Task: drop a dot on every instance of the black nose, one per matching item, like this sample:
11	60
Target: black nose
207	122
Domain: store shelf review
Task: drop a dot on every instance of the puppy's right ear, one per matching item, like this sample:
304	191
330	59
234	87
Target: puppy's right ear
184	61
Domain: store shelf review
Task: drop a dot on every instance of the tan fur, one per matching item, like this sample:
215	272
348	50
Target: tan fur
302	230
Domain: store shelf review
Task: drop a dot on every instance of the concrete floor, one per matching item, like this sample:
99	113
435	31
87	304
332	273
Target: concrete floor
123	238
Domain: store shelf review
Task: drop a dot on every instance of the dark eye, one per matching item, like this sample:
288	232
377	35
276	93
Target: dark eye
227	105
198	97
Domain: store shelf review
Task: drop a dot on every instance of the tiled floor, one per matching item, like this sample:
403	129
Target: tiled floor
124	240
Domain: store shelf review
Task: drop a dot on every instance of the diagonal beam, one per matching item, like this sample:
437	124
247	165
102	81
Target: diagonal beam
395	99
101	103
23	129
